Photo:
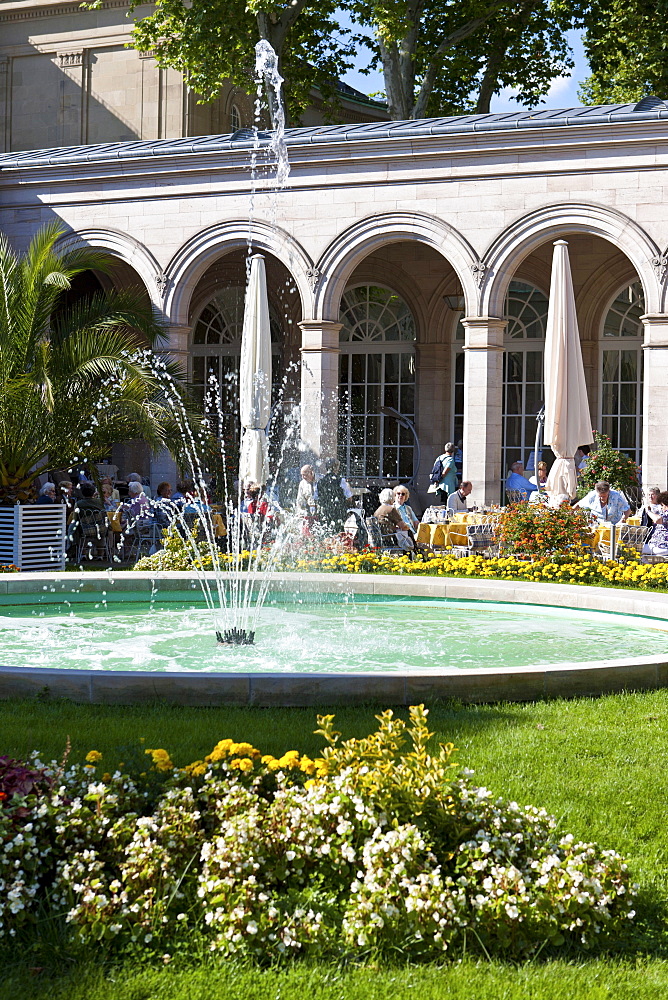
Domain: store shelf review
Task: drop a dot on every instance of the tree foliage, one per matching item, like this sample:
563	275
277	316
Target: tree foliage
452	56
73	380
627	49
437	56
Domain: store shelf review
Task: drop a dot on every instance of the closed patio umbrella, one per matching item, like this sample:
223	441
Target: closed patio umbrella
255	377
567	422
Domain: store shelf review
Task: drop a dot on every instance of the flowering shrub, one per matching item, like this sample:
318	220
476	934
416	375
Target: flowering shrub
532	529
9	568
380	843
607	464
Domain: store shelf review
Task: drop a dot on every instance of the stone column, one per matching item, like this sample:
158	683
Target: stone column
163	467
320	386
483	405
655	401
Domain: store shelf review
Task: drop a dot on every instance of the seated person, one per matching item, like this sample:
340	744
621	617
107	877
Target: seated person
391	521
517	481
651	506
107	481
606	504
47	493
542	475
89	518
165	508
657	543
137	508
581	458
249	498
110	502
401	498
457	501
183	487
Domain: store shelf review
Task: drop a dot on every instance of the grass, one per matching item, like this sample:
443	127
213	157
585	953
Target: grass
600	766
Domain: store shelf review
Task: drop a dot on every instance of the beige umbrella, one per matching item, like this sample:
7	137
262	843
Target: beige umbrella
255	377
567	422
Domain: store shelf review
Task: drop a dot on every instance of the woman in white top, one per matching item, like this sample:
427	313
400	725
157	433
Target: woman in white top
401	497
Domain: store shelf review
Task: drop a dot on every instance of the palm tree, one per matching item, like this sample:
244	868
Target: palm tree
73	379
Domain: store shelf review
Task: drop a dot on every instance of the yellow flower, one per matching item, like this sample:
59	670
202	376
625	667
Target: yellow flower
244	748
106	776
289	759
197	768
93	756
161	759
242	764
307	765
272	763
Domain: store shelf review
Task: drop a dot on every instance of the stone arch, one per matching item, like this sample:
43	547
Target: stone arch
553	222
124	247
349	249
192	259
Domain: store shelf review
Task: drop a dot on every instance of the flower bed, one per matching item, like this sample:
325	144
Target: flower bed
371	846
563	569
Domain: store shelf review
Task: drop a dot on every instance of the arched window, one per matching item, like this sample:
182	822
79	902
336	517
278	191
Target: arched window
621	371
377	370
216	349
526	313
235	118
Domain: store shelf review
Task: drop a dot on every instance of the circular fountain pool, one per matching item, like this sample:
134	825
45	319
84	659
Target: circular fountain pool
324	636
326	639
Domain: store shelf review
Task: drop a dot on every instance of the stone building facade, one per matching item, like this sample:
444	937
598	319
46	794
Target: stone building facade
409	268
67	78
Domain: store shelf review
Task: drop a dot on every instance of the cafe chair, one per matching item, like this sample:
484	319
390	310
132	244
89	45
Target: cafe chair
629	536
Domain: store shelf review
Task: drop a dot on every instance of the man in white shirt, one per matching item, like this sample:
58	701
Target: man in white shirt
606	504
457	500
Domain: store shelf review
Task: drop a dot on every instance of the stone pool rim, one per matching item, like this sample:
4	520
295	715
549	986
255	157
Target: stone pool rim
485	684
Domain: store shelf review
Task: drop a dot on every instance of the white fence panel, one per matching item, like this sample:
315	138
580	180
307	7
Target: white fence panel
33	537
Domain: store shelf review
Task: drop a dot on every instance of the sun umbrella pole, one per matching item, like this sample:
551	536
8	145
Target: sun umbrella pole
540	423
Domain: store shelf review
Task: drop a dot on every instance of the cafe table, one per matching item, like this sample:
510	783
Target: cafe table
447	534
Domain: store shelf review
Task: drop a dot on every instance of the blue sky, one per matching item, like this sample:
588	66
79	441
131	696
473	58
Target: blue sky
562	94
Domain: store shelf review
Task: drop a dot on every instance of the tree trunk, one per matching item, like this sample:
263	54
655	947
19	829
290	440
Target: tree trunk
489	80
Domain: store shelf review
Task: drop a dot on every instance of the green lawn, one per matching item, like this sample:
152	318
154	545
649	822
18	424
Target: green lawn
600	766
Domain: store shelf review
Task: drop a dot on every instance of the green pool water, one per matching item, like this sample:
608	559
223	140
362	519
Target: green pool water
378	634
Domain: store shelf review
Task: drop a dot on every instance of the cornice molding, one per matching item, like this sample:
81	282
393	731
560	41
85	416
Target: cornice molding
23	12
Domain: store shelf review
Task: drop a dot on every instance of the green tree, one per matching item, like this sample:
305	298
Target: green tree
210	41
627	49
73	379
437	56
523	47
450	56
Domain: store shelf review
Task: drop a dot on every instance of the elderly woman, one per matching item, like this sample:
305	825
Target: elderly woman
47	493
401	498
657	544
110	502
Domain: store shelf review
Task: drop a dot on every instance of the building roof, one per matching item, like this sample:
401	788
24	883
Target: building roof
649	109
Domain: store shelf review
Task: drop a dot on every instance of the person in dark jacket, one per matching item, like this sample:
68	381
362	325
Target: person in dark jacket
332	502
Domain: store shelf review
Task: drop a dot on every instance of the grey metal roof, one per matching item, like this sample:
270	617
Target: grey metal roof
649	109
